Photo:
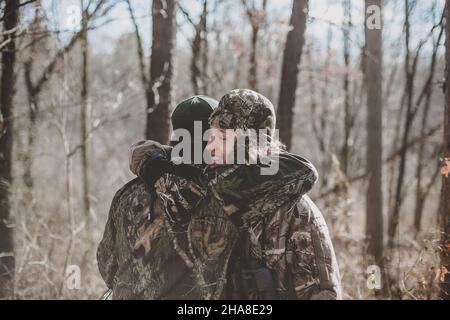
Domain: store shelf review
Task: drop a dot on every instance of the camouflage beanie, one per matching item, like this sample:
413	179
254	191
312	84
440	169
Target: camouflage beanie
244	109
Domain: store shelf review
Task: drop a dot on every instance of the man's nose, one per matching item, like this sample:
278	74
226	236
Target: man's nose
210	143
210	146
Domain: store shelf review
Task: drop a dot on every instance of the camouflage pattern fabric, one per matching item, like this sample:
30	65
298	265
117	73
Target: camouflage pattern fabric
135	256
204	217
208	213
295	244
291	236
197	219
137	260
145	255
244	109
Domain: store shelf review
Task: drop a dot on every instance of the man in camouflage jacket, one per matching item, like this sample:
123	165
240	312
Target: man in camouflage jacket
135	259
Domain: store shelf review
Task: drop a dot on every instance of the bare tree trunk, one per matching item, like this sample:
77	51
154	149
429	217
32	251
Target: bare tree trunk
33	98
409	93
445	191
140	48
237	69
33	106
374	198
84	117
252	72
199	48
318	133
8	80
205	48
317	112
347	111
257	18
322	114
421	191
159	93
290	69
195	69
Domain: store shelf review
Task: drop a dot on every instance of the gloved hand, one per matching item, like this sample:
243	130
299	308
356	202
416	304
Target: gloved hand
146	150
153	169
150	160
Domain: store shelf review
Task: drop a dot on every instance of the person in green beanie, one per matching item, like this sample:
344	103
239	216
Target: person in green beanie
134	257
188	115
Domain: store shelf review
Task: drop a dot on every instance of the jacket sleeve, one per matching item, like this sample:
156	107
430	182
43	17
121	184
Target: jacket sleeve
297	171
150	160
106	254
315	272
294	178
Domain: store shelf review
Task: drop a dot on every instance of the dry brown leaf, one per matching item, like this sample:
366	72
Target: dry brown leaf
440	274
447	248
445	170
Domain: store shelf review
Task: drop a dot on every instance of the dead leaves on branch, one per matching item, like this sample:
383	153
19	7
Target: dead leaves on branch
445	169
446	248
443	270
441	273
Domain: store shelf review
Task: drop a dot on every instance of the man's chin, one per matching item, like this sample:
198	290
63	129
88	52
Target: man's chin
216	161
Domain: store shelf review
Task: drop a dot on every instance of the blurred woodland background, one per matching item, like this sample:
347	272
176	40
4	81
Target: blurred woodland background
81	80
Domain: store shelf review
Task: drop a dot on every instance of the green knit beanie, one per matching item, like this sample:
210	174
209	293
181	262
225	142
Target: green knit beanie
196	108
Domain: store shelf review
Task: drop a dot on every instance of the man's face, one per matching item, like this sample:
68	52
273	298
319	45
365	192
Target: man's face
221	145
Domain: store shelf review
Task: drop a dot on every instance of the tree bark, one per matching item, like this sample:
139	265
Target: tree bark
374	198
257	18
445	191
252	72
421	191
290	69
84	117
33	97
8	80
140	47
346	87
408	95
199	52
205	48
159	93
